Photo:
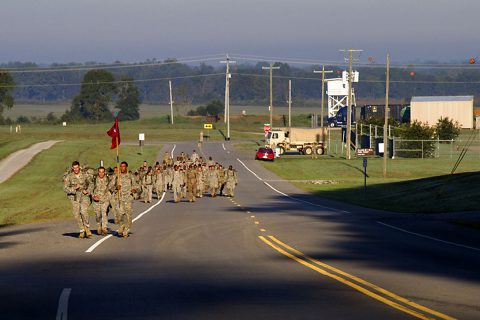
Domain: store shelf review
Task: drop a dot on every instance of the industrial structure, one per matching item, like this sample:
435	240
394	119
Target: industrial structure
337	91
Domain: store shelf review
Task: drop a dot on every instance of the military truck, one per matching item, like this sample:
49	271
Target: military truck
302	140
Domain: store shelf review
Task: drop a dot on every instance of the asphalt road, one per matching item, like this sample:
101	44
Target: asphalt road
272	252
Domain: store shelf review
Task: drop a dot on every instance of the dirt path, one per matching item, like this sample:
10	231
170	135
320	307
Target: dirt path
17	160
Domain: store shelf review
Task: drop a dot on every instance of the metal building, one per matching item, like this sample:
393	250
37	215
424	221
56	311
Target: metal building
430	109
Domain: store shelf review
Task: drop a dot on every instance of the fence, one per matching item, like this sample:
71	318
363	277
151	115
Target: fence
435	148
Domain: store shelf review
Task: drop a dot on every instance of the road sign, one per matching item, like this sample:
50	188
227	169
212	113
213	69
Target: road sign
207	126
266	128
141	136
365	152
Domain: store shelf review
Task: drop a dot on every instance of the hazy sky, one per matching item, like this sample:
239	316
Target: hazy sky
107	30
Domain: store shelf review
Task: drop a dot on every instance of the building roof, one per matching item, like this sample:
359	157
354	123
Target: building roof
442	98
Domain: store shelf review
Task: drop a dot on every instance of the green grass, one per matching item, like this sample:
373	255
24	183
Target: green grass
36	194
12	143
413	185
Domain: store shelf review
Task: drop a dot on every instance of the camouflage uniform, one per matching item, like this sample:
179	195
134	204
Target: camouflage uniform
221	179
200	182
159	183
101	190
192	179
147	186
127	183
212	179
178	181
231	182
80	198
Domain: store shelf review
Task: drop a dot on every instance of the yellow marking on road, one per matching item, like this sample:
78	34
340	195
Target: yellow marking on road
252	216
256	222
350	283
238	205
364	282
263	230
248	212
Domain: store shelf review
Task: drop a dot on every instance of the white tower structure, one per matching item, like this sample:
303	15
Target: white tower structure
337	91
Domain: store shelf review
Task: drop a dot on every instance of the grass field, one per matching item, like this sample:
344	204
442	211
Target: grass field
36	193
412	185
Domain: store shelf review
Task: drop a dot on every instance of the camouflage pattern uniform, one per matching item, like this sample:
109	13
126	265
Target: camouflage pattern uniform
80	198
231	182
147	186
192	179
101	190
127	183
221	179
159	183
178	181
212	178
200	182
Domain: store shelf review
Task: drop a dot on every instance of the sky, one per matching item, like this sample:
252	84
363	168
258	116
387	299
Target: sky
46	31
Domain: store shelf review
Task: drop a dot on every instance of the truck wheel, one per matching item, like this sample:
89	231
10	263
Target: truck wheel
332	125
282	150
319	151
308	151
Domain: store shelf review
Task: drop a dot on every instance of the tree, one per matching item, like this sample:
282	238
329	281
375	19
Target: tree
6	90
128	100
92	102
214	108
447	129
418	137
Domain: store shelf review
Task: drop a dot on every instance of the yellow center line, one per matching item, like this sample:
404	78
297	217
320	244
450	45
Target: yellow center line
256	222
349	283
252	216
364	282
263	230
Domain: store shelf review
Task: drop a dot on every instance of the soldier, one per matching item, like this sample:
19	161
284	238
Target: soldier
192	180
168	178
126	188
159	181
101	200
200	182
166	158
231	181
210	162
177	183
212	178
194	156
221	179
147	185
114	197
78	187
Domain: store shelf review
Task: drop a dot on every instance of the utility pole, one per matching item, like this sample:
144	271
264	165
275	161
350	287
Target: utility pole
323	91
349	107
289	103
228	75
171	101
271	67
385	127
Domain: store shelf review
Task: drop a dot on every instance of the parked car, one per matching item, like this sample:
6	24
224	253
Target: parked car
265	153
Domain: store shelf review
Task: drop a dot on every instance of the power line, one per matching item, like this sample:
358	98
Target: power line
111	66
110	82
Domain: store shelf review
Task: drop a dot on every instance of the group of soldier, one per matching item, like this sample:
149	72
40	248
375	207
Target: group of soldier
114	191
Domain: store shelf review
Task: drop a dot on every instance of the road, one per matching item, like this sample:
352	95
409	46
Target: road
272	252
17	160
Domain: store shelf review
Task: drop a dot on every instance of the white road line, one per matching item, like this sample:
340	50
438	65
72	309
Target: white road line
62	310
290	197
223	146
174	146
99	242
428	237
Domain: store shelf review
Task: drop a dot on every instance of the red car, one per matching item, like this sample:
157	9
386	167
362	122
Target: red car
265	153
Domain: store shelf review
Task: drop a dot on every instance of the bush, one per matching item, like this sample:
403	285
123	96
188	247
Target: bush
416	131
214	108
51	118
447	129
23	119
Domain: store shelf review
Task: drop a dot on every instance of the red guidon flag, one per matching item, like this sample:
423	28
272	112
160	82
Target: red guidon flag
114	132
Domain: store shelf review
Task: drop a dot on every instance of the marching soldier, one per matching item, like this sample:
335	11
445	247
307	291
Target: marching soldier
212	178
147	185
221	178
178	181
231	181
126	188
200	182
78	187
159	181
101	200
192	179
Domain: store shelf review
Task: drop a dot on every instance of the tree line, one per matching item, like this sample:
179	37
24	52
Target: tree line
249	83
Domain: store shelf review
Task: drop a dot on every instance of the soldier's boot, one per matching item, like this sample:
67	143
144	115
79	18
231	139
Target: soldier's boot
99	230
120	231
88	233
81	235
104	231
